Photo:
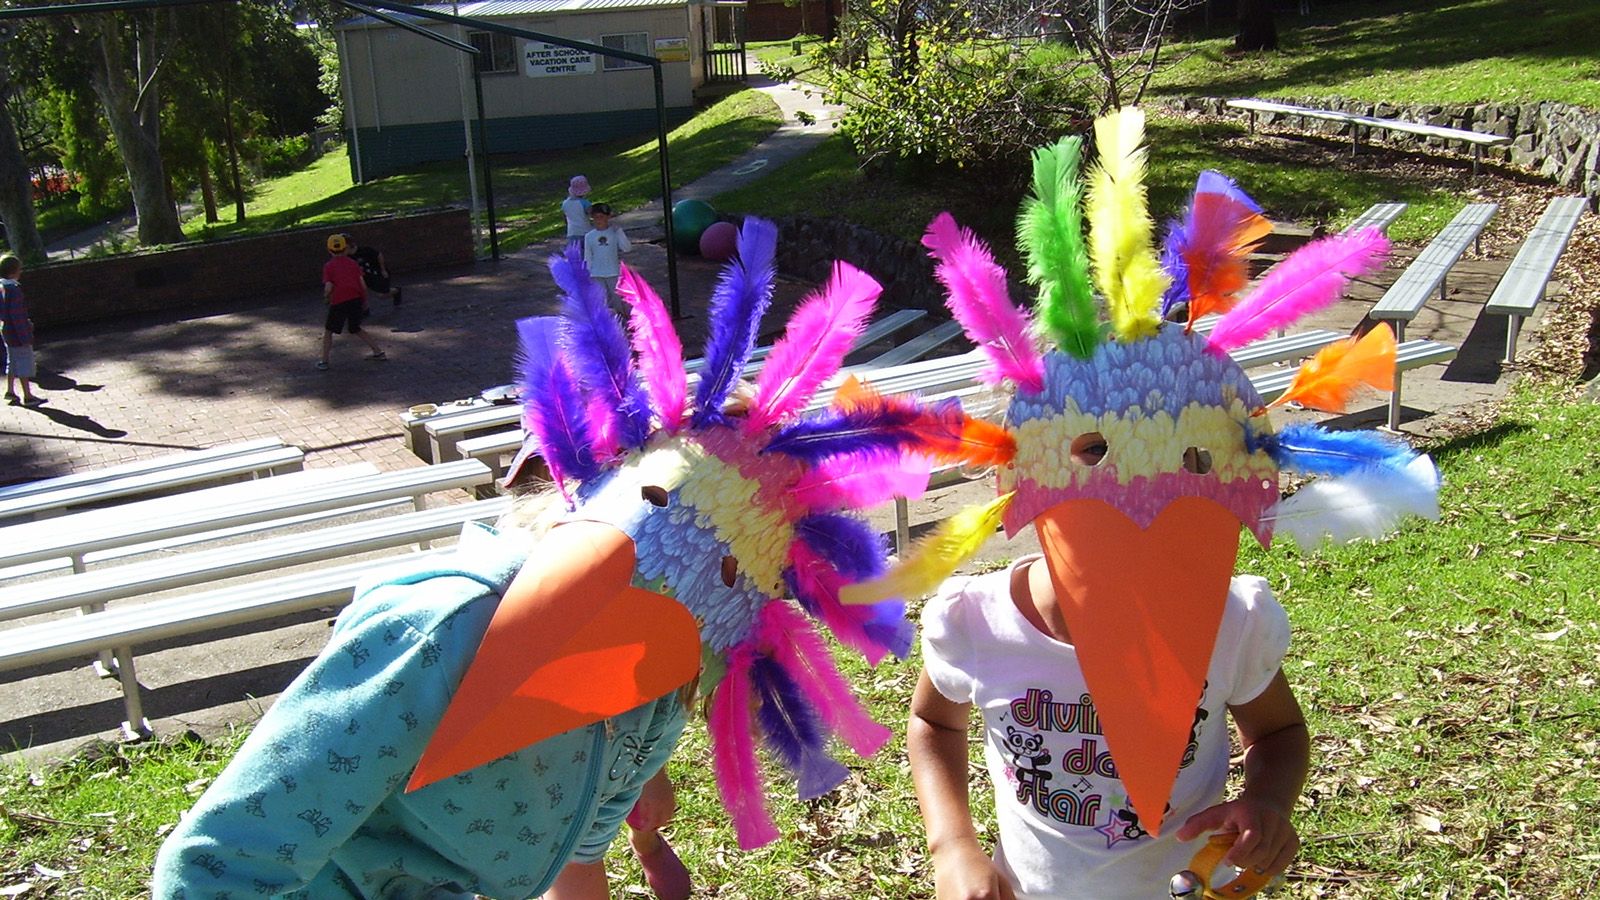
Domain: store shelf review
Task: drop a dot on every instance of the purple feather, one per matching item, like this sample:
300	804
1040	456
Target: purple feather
1173	263
598	350
862	429
743	293
553	405
848	544
790	726
889	627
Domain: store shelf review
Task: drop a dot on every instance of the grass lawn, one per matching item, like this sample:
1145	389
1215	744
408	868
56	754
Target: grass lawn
1449	676
1448	51
528	192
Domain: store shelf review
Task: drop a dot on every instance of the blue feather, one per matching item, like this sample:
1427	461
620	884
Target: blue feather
741	298
1313	449
597	349
850	545
790	726
553	404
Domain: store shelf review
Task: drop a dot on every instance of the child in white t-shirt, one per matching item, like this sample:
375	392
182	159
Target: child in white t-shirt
998	642
603	248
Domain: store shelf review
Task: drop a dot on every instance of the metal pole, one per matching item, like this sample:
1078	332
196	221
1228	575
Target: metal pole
488	182
666	191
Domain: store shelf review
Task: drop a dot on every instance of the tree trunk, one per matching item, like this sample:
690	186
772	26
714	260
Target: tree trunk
233	148
1257	29
134	115
208	192
16	185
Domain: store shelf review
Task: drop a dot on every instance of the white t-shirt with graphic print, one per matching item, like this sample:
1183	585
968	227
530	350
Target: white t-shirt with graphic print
1067	829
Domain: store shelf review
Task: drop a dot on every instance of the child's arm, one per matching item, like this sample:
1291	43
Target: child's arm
623	244
1277	755
936	742
580	881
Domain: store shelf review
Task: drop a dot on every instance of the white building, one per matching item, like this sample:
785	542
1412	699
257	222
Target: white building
408	99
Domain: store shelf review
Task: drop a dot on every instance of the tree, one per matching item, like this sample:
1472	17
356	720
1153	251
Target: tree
985	81
123	72
16	184
1258	30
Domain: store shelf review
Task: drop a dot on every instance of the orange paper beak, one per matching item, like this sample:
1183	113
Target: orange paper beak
1143	607
571	643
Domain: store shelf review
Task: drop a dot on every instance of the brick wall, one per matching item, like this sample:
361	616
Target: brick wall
196	274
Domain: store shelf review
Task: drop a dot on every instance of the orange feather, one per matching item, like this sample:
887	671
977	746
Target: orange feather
950	435
1327	380
1214	285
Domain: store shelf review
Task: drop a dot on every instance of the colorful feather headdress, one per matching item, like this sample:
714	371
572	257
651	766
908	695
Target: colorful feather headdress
1141	447
691	523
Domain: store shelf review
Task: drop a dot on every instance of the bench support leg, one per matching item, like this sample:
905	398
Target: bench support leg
902	526
1477	156
105	666
1513	330
136	726
1394	398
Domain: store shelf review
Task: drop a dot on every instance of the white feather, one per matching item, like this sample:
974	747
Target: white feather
1364	504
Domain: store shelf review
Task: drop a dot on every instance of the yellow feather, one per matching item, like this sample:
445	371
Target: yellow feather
1126	268
934	557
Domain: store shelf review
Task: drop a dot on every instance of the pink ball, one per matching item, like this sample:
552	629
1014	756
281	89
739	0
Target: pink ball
719	242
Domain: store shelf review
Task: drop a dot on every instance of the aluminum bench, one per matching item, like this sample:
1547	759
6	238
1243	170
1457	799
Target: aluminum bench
1522	286
117	631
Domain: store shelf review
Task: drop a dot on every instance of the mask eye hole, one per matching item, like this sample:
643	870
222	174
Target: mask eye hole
1197	460
653	495
1088	449
730	570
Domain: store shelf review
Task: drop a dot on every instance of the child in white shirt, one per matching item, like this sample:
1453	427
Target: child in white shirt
603	248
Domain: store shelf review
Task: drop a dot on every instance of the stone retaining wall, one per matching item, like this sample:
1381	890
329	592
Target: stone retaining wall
1556	140
807	248
199	273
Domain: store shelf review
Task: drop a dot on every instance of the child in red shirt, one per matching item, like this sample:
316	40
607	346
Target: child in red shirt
346	293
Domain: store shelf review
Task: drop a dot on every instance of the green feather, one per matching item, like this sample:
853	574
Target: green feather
1050	236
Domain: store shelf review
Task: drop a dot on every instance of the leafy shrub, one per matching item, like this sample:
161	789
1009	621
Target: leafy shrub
966	102
280	156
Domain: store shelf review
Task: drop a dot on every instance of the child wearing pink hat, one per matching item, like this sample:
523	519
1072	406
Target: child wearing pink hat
576	209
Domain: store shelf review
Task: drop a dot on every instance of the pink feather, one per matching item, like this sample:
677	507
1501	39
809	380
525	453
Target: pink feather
792	642
603	418
858	481
1311	278
657	346
733	754
815	342
820	583
979	300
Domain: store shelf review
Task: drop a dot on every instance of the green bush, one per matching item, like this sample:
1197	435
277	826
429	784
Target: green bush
281	156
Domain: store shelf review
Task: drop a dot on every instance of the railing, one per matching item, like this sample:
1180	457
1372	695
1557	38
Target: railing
726	65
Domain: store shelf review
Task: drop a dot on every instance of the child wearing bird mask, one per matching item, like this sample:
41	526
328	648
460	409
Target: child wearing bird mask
1107	668
483	720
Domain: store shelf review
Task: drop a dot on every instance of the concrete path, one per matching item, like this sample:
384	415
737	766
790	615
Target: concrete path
807	121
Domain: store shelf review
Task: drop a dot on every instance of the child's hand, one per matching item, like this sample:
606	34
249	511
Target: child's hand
965	872
1266	840
656	805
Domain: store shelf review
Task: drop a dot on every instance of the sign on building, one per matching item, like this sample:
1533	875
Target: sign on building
672	49
540	59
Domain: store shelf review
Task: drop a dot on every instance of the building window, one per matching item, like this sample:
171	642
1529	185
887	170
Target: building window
632	42
496	52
